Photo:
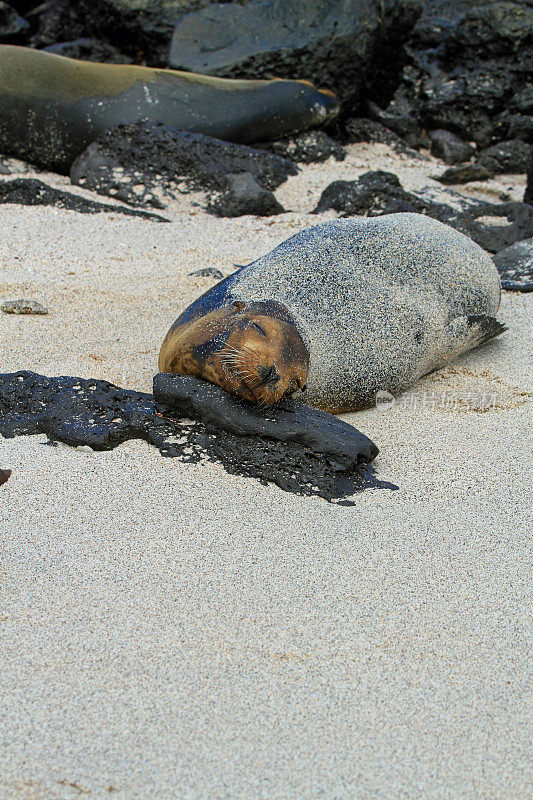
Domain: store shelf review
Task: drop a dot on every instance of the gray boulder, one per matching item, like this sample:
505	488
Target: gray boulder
337	44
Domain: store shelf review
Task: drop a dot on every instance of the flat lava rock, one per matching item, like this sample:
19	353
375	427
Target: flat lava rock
464	173
144	163
96	414
33	192
515	265
290	421
492	226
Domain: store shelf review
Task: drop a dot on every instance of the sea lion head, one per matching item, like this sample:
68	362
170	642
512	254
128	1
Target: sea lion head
252	350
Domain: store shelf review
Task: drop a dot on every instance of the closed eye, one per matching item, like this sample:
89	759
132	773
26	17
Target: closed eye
258	328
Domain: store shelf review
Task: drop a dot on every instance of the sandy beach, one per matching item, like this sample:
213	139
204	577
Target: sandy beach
170	631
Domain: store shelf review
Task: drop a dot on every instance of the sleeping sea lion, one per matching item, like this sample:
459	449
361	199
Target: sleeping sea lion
359	305
52	107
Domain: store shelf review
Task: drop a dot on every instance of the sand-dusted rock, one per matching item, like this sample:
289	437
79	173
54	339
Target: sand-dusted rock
464	173
451	148
244	195
33	192
514	157
337	44
146	163
96	414
307	148
207	272
23	307
13	28
515	265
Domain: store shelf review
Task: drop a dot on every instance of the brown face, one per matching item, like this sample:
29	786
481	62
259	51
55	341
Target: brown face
251	350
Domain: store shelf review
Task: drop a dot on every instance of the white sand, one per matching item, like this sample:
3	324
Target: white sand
169	631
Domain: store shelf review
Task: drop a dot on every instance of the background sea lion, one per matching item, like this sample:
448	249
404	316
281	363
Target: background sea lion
377	302
52	107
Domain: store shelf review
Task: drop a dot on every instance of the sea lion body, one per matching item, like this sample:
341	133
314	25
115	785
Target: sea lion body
379	302
52	107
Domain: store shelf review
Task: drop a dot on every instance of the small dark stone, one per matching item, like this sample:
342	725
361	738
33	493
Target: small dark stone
138	163
32	192
23	307
520	126
400	116
87	49
514	157
360	129
449	147
307	148
245	196
207	272
515	265
465	173
97	414
12	27
55	21
5	475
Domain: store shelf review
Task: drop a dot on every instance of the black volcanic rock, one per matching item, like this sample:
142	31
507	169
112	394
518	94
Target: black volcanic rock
343	45
96	414
449	147
492	226
515	157
13	28
244	195
464	173
310	147
515	265
144	162
87	49
373	194
361	129
33	192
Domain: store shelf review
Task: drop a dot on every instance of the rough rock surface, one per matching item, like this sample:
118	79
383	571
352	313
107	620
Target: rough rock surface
515	265
13	27
451	148
528	194
361	129
338	44
290	421
464	173
244	195
33	192
492	226
469	72
99	415
5	475
514	157
307	148
146	163
207	272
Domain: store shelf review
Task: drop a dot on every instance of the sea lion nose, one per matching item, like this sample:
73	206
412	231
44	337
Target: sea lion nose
268	374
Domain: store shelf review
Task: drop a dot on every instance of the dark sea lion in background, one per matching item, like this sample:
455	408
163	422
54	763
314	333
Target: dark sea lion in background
372	304
52	108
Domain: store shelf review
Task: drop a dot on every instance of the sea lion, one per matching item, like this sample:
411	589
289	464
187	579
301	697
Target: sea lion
376	302
52	107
